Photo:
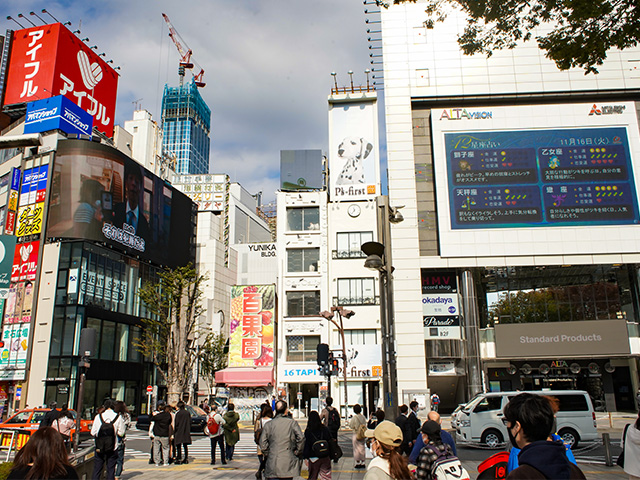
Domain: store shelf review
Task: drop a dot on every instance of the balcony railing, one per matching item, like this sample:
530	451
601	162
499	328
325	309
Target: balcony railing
337	254
343	301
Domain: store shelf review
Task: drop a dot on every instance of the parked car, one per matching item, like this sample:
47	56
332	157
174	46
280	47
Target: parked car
198	420
480	420
30	418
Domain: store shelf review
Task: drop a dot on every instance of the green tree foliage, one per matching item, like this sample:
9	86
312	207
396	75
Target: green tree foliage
213	358
174	304
581	32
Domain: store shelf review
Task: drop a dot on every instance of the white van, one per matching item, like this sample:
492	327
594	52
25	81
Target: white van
480	420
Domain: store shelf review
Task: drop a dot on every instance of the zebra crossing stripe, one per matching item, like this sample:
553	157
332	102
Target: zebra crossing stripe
201	448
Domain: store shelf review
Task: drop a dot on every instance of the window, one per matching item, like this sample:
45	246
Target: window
360	337
488	404
302	348
356	291
573	403
303	303
306	218
303	259
348	244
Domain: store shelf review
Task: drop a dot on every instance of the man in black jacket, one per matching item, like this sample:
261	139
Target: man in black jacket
403	422
413	423
50	416
161	433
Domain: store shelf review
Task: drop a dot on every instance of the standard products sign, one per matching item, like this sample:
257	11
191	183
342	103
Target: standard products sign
562	339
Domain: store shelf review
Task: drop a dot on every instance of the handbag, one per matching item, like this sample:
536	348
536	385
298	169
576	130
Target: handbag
620	460
336	451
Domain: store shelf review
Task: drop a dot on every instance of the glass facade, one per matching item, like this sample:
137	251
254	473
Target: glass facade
186	121
96	288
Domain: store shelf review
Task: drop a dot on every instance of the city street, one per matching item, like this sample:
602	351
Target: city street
591	457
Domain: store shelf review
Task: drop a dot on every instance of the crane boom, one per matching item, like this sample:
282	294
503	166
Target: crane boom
186	60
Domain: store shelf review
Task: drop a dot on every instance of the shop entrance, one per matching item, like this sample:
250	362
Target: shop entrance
309	398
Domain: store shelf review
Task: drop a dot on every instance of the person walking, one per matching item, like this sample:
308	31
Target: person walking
435	402
376	418
122	410
44	456
359	425
182	433
50	416
631	449
162	432
331	417
231	430
403	422
388	462
529	421
318	463
106	427
413	423
266	415
214	430
64	424
282	442
444	435
433	449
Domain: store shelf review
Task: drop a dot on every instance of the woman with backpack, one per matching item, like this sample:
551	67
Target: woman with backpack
122	410
317	451
359	425
433	449
266	414
388	462
231	430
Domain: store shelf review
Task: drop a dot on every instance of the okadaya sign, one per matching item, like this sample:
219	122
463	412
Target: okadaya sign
562	339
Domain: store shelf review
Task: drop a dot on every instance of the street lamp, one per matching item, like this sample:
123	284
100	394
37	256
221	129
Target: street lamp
379	259
342	313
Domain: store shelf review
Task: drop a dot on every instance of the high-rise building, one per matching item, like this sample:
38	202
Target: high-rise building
186	122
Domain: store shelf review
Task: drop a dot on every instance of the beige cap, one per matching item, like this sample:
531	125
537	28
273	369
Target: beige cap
386	432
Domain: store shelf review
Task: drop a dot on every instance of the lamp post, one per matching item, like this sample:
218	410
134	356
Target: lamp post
342	313
379	258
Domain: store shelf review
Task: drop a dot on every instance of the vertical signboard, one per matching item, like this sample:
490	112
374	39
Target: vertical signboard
7	249
440	305
354	170
251	331
12	201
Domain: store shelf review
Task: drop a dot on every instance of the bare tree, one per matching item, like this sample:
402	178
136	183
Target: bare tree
213	358
174	304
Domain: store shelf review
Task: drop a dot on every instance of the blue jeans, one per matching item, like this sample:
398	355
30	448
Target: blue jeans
230	449
119	459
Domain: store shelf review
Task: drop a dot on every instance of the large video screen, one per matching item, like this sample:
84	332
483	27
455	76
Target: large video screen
100	194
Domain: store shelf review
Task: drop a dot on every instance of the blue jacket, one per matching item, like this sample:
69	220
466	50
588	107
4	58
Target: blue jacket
515	451
447	439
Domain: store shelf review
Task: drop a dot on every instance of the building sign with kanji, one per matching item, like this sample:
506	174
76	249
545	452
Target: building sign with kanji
251	330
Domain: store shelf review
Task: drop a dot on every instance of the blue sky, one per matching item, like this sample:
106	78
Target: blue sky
267	65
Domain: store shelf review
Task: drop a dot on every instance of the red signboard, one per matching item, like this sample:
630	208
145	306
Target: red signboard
50	60
25	261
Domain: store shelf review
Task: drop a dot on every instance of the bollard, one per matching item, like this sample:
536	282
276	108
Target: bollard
606	441
610	421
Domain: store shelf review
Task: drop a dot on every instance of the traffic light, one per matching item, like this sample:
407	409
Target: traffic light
323	353
335	367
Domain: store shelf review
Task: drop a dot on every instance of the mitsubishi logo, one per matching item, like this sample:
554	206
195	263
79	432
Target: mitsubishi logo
595	110
91	72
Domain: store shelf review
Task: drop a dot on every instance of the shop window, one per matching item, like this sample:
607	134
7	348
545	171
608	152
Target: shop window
303	303
303	259
302	348
303	219
348	244
107	340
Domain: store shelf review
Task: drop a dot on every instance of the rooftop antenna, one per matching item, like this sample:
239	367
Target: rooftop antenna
137	103
335	80
22	16
9	17
44	10
350	73
37	16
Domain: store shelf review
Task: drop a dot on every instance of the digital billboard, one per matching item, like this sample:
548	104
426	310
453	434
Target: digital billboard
100	194
354	163
252	327
49	60
551	170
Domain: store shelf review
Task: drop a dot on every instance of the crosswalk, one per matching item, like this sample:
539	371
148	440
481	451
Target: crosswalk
200	446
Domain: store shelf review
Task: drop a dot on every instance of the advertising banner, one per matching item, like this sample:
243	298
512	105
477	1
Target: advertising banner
540	169
49	60
354	170
100	194
30	219
363	361
251	331
7	256
441	316
25	261
57	113
438	281
13	354
562	339
209	192
34	185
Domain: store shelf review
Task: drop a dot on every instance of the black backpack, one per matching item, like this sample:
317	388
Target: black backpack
321	447
106	438
334	419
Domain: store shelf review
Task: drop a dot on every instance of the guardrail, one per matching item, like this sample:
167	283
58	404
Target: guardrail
12	440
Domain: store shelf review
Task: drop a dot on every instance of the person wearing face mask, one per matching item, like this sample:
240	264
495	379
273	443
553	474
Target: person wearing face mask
529	421
515	451
388	462
434	449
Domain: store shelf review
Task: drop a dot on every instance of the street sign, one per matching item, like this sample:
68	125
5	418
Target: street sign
299	395
150	389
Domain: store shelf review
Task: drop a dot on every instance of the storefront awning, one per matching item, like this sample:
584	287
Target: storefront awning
246	376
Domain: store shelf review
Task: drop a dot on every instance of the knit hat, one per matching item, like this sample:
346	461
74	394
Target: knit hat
431	428
386	432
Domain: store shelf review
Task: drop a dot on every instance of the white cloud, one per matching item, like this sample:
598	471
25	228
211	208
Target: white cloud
267	67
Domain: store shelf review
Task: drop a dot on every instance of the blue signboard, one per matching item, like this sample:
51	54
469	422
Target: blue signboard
57	113
578	176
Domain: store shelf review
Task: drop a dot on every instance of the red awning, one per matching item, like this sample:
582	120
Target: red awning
246	376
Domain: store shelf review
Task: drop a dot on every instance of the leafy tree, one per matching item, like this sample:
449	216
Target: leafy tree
174	304
213	358
582	32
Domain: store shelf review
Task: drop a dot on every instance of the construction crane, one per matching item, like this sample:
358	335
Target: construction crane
186	60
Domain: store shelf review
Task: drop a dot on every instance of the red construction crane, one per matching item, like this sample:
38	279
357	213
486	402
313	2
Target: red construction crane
185	55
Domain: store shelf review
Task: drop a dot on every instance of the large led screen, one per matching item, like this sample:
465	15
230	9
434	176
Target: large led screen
556	179
100	194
